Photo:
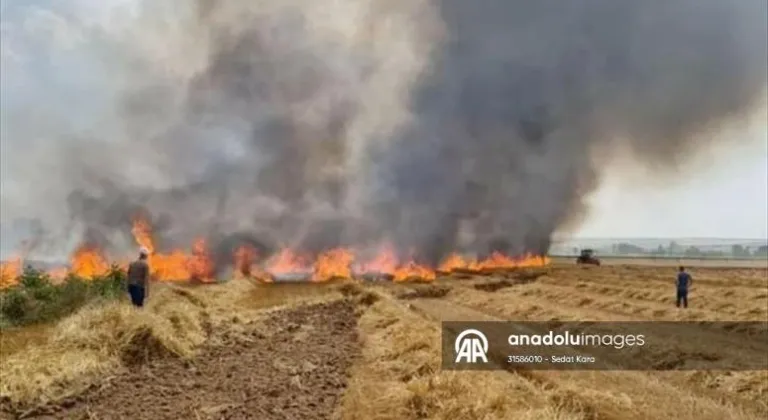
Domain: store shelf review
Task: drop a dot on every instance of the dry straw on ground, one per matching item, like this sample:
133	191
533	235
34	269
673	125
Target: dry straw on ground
398	375
97	339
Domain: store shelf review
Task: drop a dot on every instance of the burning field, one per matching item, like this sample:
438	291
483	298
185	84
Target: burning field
320	184
178	265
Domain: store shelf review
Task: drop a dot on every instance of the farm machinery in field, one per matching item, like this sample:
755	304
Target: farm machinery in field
587	256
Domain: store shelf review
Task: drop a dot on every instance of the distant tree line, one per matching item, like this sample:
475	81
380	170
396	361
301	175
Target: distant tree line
676	250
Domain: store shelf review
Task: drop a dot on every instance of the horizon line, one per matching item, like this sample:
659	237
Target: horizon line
664	237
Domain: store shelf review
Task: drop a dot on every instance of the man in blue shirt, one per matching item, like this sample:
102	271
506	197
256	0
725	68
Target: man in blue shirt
684	281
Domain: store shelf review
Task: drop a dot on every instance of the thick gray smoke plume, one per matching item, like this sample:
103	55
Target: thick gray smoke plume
316	124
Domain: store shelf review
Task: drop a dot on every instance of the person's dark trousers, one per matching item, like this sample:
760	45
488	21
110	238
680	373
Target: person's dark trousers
137	295
682	296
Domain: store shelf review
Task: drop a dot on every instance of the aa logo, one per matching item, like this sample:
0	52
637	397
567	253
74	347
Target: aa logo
471	345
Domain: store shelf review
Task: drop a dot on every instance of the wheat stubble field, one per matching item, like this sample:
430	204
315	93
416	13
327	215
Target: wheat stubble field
372	351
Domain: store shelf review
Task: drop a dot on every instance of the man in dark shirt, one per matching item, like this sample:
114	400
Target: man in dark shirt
138	279
684	281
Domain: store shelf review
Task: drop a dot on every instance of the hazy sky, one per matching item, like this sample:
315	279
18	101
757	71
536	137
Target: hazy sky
725	195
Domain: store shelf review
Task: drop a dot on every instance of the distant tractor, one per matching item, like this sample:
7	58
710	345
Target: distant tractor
587	257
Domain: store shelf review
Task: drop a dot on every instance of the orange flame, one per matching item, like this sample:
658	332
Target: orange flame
245	258
286	262
175	265
411	270
89	262
142	233
385	262
335	263
452	262
246	266
495	261
200	265
197	264
9	272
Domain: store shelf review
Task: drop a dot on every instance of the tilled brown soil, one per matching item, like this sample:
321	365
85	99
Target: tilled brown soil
292	367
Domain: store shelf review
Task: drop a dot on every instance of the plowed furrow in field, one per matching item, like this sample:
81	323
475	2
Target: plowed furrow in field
294	366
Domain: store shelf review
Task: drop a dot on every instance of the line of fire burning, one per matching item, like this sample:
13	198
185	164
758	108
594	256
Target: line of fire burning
177	265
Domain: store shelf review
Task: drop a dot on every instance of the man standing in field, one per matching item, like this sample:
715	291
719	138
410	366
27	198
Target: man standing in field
138	279
684	281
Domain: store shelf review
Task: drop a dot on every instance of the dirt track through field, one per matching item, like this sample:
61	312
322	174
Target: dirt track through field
291	366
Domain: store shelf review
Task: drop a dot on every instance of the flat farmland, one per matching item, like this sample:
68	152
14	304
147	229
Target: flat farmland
373	350
673	261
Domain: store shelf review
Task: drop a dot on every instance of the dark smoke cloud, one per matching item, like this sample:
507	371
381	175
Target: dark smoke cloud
292	123
524	94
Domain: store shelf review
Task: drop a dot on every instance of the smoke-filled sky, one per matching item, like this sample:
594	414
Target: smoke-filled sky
724	195
433	124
